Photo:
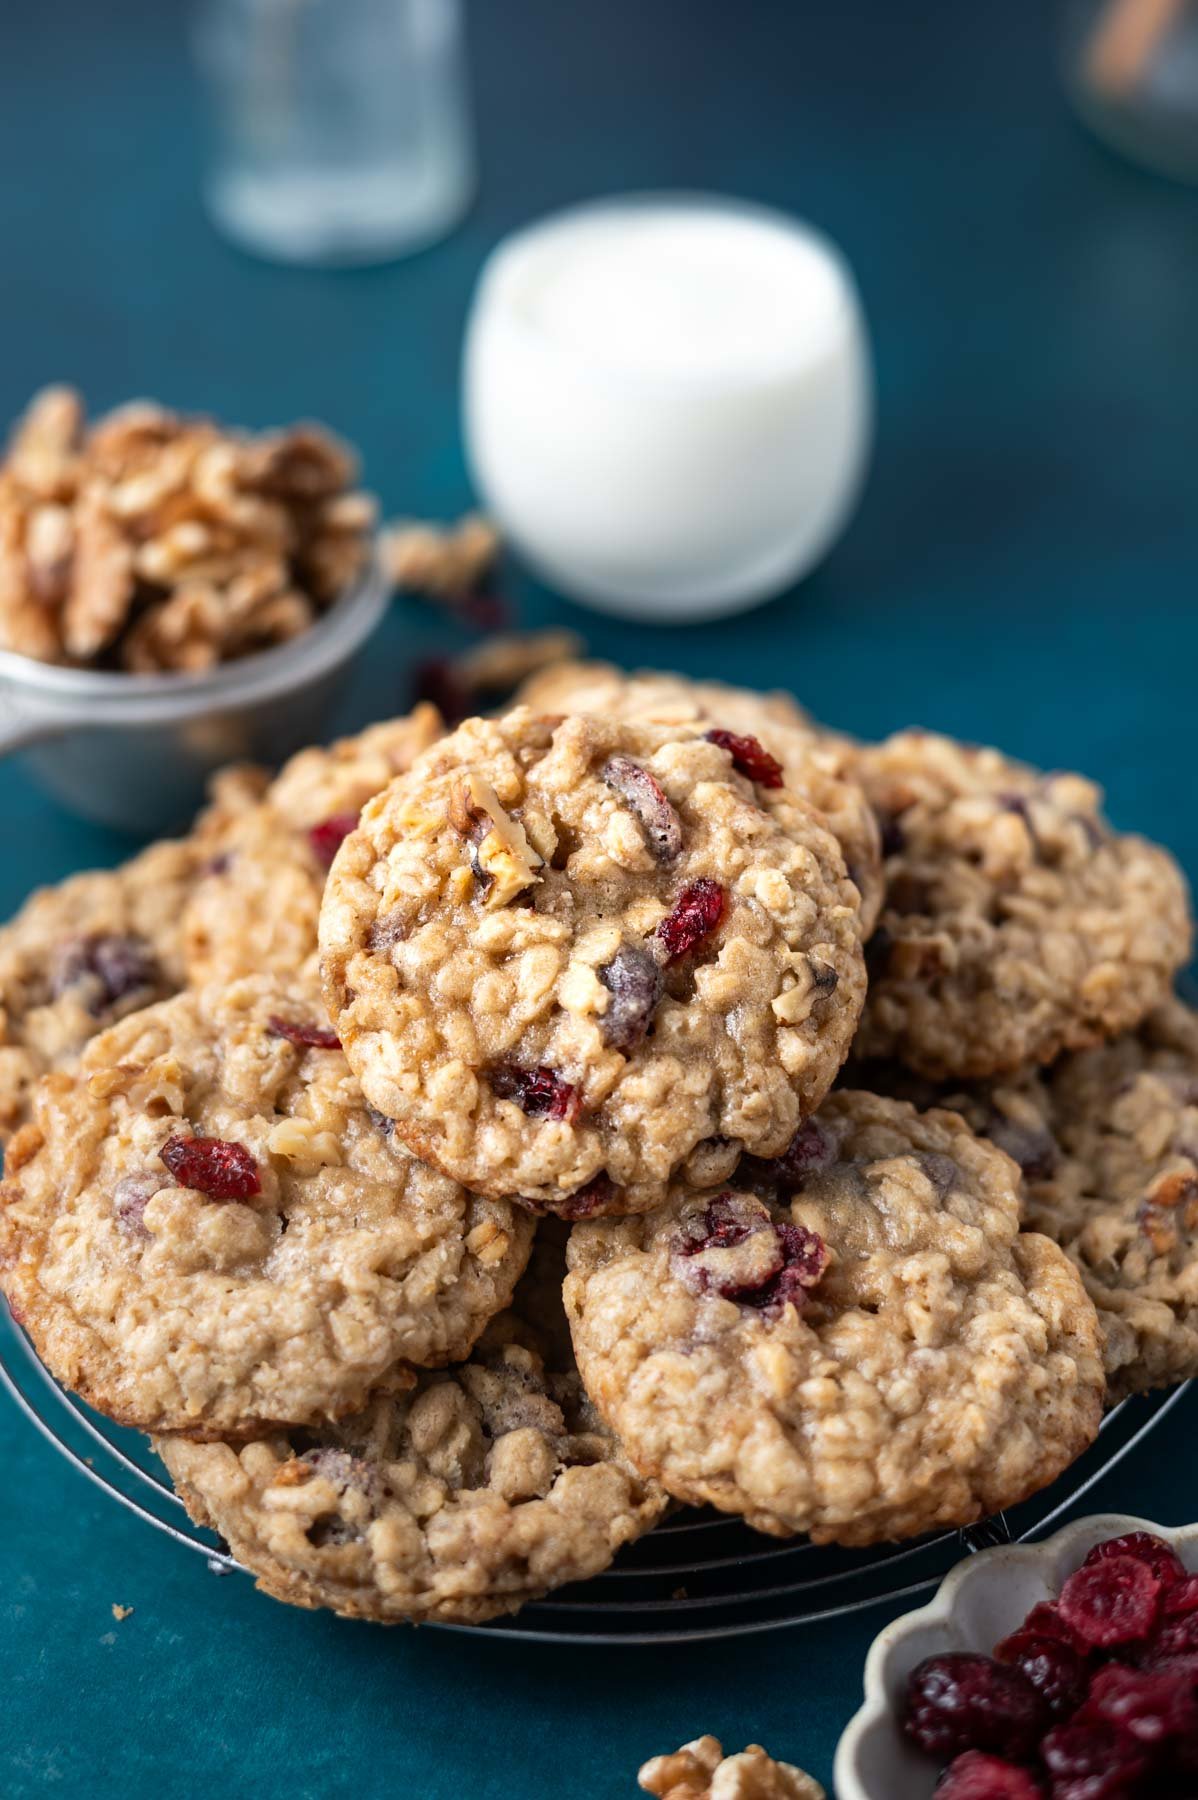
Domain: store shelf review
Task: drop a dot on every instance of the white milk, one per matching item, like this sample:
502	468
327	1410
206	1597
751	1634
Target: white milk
667	402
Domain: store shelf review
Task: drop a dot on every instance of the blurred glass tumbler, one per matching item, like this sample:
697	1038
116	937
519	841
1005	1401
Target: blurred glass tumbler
340	131
1131	69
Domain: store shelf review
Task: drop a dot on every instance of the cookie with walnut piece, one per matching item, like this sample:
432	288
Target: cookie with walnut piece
457	1496
79	956
1016	923
814	764
206	1230
257	906
701	1771
567	957
855	1342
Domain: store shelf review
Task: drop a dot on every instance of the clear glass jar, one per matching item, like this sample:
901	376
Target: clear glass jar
340	130
1131	67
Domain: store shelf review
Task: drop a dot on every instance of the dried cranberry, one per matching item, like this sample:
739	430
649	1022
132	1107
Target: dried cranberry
697	912
1045	1621
976	1776
327	837
540	1093
962	1701
438	680
1177	1637
218	1170
104	968
750	756
646	799
633	978
1092	1761
598	1195
1146	1547
313	1037
1155	1706
804	1259
812	1148
1182	1597
1111	1602
1033	1147
1055	1669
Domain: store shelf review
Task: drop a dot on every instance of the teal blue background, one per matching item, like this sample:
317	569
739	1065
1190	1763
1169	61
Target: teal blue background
1024	569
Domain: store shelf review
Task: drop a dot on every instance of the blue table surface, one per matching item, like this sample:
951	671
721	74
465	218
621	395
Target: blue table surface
1022	569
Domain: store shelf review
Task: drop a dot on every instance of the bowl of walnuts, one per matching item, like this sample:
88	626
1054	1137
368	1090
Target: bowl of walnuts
174	595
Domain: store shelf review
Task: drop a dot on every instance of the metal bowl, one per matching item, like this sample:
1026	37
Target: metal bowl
136	751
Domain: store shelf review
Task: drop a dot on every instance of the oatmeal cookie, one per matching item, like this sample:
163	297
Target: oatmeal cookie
256	909
456	1497
206	1230
1017	924
701	1771
1121	1196
856	1342
814	764
79	956
564	956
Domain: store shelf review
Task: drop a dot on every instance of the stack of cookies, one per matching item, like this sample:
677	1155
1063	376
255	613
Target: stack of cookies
464	1146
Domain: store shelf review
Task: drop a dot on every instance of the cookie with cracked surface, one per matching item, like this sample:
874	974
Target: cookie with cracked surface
1016	924
813	763
205	1230
565	956
256	908
857	1342
79	956
701	1771
459	1497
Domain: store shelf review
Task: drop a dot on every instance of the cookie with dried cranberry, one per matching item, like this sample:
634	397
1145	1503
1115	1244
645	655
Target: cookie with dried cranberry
567	956
1016	924
764	732
456	1497
256	908
856	1342
79	956
205	1229
1121	1195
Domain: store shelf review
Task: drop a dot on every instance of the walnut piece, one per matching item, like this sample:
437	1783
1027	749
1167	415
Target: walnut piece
154	542
445	564
701	1771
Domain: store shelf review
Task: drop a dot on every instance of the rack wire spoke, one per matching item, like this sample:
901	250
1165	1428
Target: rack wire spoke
699	1576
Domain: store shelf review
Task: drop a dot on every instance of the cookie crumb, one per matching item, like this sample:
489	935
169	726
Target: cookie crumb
121	1613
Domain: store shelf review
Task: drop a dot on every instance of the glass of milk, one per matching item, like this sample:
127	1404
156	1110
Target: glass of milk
667	401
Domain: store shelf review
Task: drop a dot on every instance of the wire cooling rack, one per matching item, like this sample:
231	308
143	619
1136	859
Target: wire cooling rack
699	1575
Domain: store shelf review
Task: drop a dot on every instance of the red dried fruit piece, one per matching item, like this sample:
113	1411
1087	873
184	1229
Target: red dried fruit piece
540	1093
789	1261
645	797
1155	1706
327	837
1146	1547
440	682
1045	1621
1176	1638
312	1037
214	1168
804	1259
1093	1761
962	1701
810	1149
104	968
1111	1602
749	756
976	1776
696	913
1055	1669
1182	1597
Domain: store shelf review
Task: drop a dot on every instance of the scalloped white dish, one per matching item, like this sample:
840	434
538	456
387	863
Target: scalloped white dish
978	1603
